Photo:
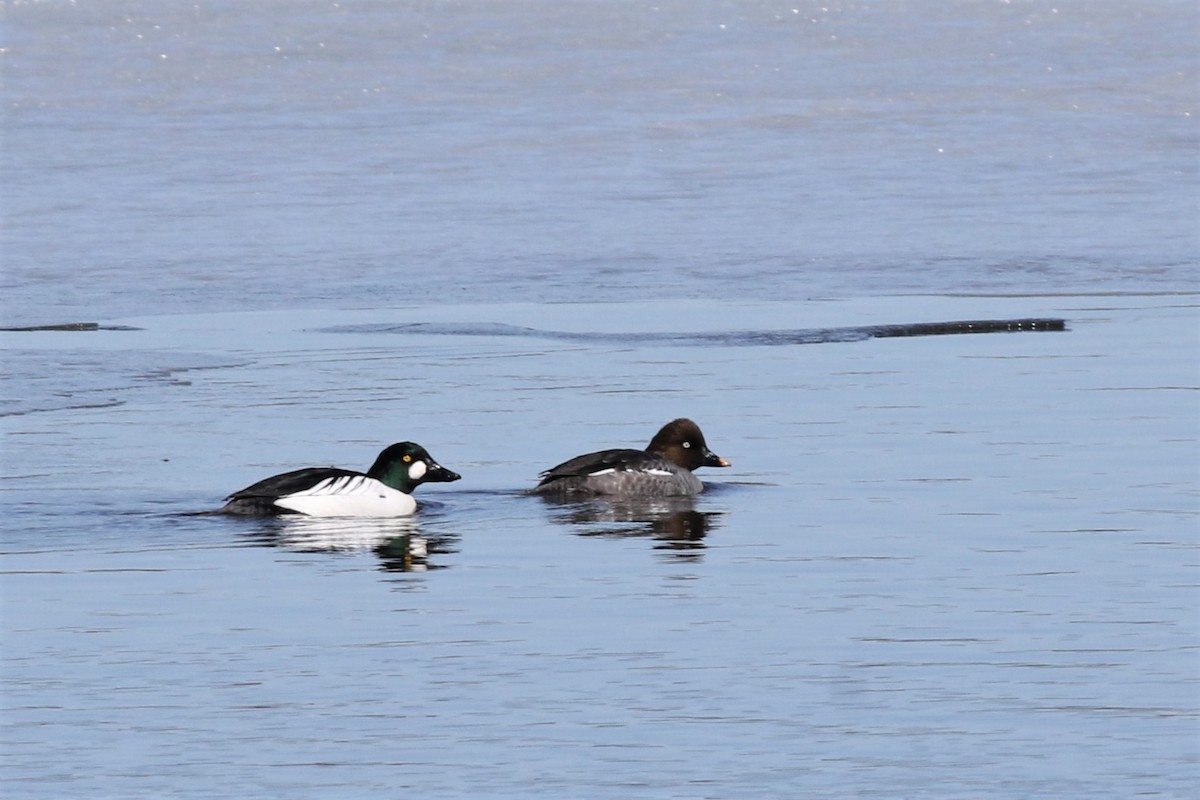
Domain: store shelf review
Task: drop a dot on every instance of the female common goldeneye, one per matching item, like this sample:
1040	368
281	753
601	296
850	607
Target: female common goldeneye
663	469
384	491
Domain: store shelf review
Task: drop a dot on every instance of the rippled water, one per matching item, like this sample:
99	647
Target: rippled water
940	566
964	561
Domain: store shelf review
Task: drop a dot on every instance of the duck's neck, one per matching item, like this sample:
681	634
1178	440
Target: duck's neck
395	474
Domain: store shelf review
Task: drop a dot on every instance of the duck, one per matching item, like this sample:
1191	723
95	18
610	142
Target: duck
385	490
663	469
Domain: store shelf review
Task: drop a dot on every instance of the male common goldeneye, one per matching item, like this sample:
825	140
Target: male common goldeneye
384	491
663	469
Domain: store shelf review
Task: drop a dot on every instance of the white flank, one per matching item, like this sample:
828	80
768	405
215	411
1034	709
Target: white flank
666	472
608	471
349	496
417	471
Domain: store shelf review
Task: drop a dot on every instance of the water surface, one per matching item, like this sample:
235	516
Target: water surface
940	566
935	559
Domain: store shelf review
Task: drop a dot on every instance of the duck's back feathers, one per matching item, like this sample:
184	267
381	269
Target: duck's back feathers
287	483
589	463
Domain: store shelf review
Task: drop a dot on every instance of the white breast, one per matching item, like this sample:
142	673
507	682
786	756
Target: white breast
349	496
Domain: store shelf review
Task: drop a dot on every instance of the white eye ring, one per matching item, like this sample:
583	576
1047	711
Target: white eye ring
687	444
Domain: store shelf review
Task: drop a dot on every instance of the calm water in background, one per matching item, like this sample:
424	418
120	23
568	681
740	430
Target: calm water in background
944	567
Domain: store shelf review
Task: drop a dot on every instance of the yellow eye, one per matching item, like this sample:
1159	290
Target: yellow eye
407	459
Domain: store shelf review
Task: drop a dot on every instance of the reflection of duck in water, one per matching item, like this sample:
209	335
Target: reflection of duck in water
672	521
397	541
663	469
385	490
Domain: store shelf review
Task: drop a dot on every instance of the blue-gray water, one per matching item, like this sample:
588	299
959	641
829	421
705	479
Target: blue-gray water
953	566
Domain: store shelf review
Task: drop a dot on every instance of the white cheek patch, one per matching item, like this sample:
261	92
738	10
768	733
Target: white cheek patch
417	470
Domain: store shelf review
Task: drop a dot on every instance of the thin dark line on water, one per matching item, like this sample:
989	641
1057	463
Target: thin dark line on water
725	338
68	326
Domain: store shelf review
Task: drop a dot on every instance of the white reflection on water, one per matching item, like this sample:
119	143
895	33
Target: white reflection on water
397	542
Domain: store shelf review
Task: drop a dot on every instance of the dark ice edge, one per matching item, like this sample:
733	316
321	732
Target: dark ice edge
68	326
809	336
734	338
